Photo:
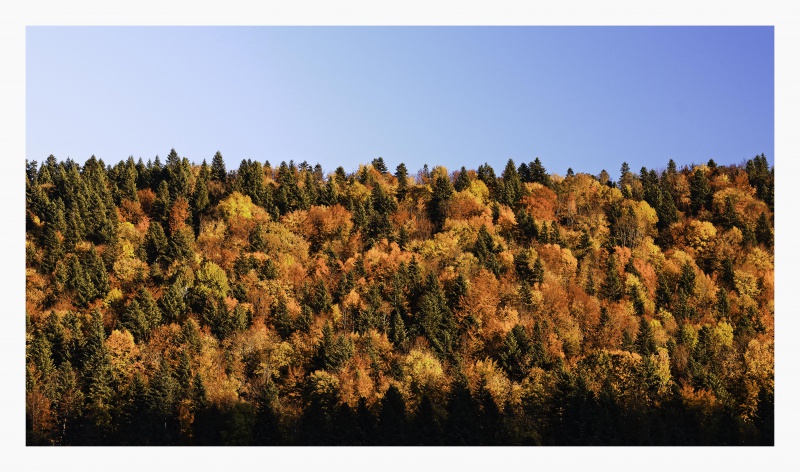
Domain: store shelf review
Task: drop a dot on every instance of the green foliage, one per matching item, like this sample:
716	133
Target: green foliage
440	200
612	288
218	171
486	251
512	185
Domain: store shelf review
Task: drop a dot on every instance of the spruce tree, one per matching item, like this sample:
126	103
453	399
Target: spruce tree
539	174
512	185
462	181
612	285
135	321
764	231
700	192
486	250
440	201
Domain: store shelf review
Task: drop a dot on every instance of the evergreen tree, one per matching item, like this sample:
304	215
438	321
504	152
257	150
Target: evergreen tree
486	250
486	175
135	321
162	203
700	192
538	271
178	175
97	374
645	343
172	302
397	329
590	285
218	172
435	318
426	426
282	321
148	305
463	423
392	422
155	243
515	356
522	265
686	282
96	273
612	285
333	351
379	165
440	201
382	206
544	233
512	185
53	250
77	282
764	231
527	229
161	402
539	174
761	179
462	181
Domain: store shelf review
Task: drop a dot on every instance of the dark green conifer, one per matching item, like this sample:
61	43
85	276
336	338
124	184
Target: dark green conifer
440	201
612	285
218	171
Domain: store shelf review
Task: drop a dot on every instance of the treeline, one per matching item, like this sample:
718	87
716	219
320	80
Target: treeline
174	303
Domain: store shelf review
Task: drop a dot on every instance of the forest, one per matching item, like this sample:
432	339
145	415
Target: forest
171	303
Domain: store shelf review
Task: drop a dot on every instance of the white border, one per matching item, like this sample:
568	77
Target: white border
16	14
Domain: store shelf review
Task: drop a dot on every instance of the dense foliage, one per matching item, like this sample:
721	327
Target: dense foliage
171	303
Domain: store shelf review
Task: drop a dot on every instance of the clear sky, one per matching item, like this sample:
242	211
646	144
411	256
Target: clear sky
582	97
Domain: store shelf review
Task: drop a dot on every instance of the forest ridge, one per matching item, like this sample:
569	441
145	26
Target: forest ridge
182	304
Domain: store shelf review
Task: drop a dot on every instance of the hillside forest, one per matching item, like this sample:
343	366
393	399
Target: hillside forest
171	303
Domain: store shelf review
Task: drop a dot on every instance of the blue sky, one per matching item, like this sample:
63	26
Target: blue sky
582	97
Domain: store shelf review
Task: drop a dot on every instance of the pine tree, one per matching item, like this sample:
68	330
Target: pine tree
162	203
590	284
392	420
161	400
526	226
522	266
686	282
700	192
178	175
612	285
172	302
435	318
397	329
282	321
53	249
515	357
218	172
486	250
77	281
544	233
764	231
155	243
440	201
135	321
97	372
539	174
486	175
96	273
462	181
723	306
512	185
645	343
538	271
148	305
379	165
